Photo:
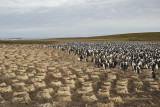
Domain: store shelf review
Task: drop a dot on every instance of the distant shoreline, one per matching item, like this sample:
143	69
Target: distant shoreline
20	38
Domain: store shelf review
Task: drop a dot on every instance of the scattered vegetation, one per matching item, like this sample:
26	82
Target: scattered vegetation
151	36
25	42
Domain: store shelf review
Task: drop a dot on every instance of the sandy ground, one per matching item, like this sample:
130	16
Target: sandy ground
34	76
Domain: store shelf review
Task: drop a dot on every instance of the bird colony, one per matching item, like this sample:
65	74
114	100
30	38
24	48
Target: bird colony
94	74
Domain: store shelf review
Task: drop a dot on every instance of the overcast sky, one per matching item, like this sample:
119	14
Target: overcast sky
68	18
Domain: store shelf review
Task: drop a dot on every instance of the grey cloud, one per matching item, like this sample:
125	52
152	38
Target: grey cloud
79	17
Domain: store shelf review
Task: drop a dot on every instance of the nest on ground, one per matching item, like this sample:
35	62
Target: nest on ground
107	83
89	97
112	76
103	93
149	79
121	82
89	70
63	92
7	71
10	75
69	81
111	104
18	84
44	94
21	97
82	91
72	76
56	74
56	83
41	77
51	68
35	79
87	88
123	90
41	74
41	69
85	76
139	90
78	70
116	99
6	89
81	79
40	84
65	68
30	74
14	80
153	83
95	76
154	87
64	98
87	84
134	76
1	100
50	90
67	72
31	67
3	84
46	105
139	83
22	77
120	86
106	87
96	73
21	71
14	68
29	88
71	85
65	88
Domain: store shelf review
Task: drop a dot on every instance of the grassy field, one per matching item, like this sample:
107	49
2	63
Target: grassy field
151	36
27	41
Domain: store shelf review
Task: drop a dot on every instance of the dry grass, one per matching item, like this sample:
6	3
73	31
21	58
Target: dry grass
111	104
43	95
147	36
42	76
89	97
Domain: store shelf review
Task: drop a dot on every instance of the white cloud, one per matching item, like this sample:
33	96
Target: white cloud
78	17
29	5
25	29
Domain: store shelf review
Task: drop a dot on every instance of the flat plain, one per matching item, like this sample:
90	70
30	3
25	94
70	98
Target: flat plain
34	76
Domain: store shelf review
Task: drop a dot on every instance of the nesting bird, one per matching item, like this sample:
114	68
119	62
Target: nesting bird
138	55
